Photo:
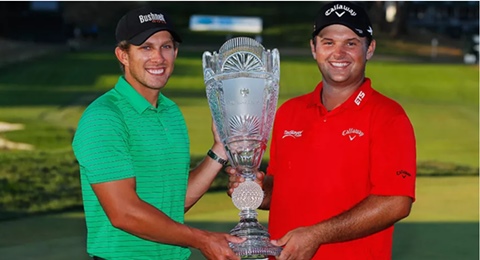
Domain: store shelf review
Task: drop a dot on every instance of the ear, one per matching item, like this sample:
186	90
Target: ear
312	49
122	56
371	49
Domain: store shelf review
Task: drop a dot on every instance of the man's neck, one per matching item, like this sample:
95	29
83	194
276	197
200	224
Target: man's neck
333	96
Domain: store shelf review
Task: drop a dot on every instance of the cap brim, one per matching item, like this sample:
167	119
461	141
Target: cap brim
315	33
143	36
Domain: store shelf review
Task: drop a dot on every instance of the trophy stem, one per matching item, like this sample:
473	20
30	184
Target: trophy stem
257	244
248	174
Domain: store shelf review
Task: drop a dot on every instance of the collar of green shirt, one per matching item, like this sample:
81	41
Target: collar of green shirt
138	101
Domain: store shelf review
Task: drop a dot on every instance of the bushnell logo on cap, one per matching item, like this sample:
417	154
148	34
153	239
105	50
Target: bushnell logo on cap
151	17
138	25
345	13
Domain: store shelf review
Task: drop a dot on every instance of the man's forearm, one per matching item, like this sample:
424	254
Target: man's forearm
199	180
143	220
373	214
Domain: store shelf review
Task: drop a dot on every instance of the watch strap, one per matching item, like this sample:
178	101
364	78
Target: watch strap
217	158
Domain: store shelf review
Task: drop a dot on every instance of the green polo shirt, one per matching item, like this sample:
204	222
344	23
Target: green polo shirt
121	135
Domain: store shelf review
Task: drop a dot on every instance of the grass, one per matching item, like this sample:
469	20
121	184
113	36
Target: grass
428	83
445	132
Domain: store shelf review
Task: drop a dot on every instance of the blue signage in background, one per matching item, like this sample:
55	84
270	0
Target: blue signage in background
49	6
226	23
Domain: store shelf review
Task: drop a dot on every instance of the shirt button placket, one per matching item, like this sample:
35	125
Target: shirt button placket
164	125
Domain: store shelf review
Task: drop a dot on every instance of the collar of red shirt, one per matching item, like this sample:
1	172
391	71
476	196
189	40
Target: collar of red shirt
355	101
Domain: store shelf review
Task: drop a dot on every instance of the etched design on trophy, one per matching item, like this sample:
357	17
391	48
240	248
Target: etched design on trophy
242	61
242	82
244	125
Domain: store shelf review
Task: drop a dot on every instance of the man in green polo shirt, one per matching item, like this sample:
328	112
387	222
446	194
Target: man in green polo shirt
133	149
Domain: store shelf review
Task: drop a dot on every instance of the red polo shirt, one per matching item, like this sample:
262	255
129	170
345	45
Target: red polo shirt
324	163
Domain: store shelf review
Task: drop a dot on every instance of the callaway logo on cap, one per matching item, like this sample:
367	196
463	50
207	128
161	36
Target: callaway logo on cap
345	13
139	24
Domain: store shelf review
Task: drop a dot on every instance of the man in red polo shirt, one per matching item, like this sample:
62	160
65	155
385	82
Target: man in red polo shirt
342	158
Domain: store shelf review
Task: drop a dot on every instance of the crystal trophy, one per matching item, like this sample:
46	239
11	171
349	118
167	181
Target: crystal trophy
242	82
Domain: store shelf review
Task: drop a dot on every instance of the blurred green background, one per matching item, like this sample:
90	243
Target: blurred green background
46	83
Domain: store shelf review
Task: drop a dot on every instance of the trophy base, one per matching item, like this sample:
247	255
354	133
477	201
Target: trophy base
255	248
257	244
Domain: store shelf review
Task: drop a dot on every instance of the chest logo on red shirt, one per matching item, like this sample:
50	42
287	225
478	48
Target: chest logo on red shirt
292	133
352	133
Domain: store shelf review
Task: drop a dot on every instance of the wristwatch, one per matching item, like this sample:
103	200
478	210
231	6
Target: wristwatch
217	158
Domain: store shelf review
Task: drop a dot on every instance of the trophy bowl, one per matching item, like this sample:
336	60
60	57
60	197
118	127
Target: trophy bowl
242	82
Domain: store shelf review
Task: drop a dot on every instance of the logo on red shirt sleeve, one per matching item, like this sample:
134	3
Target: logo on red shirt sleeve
404	174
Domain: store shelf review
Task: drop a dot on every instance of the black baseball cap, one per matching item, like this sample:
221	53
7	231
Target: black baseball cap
345	13
138	25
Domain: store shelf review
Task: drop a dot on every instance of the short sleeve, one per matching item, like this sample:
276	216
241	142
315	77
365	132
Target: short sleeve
101	145
393	157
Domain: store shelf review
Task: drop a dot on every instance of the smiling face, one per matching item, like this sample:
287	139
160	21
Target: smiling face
341	55
149	66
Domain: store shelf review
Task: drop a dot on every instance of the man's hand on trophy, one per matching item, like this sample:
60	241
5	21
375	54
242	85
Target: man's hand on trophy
299	244
216	246
216	136
235	179
217	147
